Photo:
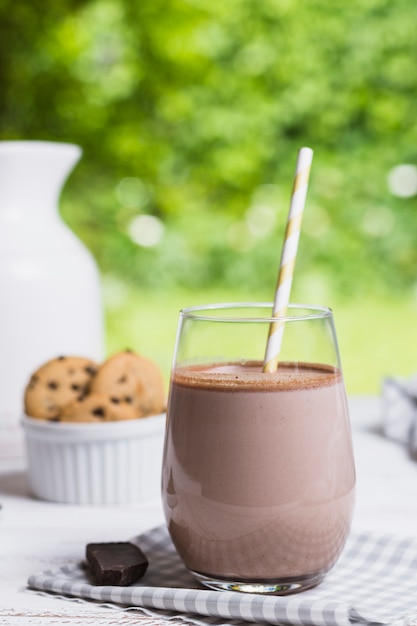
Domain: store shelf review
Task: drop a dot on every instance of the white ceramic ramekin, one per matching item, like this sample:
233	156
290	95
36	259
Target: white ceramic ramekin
95	464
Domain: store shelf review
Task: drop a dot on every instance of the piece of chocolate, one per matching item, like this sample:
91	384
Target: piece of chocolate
116	563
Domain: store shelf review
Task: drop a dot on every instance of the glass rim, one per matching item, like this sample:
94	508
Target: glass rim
201	312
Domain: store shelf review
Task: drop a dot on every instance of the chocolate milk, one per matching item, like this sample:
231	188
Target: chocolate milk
258	477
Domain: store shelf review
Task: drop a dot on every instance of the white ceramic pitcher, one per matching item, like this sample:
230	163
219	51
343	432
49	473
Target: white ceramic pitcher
50	297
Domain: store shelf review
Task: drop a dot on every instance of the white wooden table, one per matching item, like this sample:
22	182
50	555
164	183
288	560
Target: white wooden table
36	535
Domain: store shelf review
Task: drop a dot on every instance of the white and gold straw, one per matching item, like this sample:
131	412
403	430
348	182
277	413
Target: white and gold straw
288	255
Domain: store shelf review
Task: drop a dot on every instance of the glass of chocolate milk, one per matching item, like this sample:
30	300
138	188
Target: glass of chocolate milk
258	473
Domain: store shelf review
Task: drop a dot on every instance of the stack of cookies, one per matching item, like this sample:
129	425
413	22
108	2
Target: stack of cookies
100	451
126	386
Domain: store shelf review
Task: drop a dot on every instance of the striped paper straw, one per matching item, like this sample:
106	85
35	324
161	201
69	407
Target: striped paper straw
288	256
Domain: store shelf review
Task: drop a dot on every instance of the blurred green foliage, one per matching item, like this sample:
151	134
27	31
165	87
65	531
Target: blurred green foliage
192	111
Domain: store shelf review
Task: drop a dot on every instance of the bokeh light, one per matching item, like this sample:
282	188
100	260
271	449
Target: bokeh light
402	180
146	230
132	193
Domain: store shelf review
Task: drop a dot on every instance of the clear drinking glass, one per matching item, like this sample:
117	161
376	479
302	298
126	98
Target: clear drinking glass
258	473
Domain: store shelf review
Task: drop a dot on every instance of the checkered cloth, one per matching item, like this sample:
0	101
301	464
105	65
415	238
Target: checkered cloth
373	583
399	412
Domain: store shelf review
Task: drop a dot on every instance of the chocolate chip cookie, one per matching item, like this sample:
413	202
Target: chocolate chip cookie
96	407
57	383
132	379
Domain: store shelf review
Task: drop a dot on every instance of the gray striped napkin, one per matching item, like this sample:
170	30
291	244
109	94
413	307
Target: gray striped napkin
373	583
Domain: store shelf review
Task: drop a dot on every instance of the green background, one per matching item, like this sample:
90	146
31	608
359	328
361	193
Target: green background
192	112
